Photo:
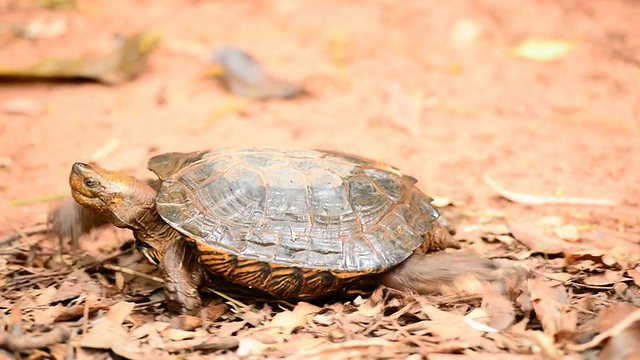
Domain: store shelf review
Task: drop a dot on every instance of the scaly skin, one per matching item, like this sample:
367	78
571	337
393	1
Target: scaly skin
130	203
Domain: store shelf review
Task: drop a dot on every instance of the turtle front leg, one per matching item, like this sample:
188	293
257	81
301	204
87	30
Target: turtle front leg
182	275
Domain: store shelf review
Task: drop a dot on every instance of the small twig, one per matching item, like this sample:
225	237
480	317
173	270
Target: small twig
233	301
159	280
37	200
58	334
132	272
22	233
544	200
143	305
209	344
412	338
614	330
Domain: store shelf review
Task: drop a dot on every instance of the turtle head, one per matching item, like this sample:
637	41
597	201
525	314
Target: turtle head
121	199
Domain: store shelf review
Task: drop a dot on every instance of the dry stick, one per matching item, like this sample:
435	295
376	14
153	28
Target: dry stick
210	344
159	280
544	200
612	331
23	233
58	334
412	338
132	272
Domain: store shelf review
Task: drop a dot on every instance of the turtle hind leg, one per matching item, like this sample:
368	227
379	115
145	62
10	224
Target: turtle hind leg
437	239
182	275
452	273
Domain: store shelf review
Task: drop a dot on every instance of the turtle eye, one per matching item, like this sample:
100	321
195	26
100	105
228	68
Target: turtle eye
90	182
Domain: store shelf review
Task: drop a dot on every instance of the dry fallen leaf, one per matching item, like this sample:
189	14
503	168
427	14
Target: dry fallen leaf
551	304
567	232
108	331
499	309
625	344
635	275
607	278
535	239
288	321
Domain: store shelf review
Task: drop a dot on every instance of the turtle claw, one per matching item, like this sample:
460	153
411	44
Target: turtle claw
182	301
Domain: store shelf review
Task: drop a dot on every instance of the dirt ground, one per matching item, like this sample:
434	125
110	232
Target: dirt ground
440	90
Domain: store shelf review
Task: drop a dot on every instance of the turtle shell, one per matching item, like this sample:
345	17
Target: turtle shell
293	223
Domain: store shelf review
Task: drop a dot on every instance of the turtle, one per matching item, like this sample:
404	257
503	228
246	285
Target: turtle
277	224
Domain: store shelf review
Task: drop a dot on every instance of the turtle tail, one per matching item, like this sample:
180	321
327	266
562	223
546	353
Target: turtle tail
453	273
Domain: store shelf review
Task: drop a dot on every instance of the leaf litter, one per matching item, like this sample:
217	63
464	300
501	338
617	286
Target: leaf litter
110	300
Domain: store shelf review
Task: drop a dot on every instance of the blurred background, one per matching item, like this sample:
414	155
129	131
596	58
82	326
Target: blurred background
542	96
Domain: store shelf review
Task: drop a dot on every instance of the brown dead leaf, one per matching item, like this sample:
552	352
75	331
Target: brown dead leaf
369	309
607	278
108	331
46	296
625	344
444	325
294	347
47	315
186	322
227	329
255	318
499	309
213	312
496	229
559	277
626	320
288	321
635	275
75	284
353	349
535	239
177	334
146	329
567	232
551	306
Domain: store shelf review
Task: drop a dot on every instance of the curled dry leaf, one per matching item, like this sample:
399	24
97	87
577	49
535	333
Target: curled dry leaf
551	304
626	343
629	320
243	75
535	239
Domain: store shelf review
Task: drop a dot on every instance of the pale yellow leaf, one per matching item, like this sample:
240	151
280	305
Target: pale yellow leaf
543	50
